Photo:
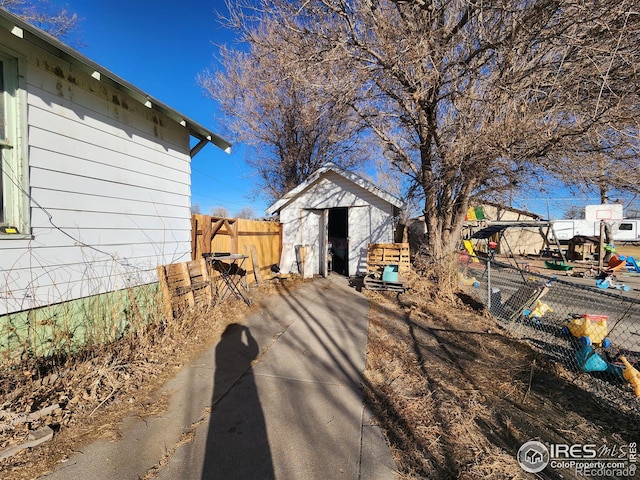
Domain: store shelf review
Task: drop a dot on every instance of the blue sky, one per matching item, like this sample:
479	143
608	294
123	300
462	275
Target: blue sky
160	47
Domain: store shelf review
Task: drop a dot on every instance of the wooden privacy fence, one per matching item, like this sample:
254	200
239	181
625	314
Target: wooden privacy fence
261	241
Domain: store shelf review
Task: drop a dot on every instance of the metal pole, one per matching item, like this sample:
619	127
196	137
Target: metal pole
601	252
489	283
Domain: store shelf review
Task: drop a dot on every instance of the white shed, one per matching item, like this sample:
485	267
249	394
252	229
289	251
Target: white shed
95	187
335	214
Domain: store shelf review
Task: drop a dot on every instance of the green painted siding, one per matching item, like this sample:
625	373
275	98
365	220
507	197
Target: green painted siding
68	327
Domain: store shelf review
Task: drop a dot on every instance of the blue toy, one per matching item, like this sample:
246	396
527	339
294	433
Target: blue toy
589	361
632	265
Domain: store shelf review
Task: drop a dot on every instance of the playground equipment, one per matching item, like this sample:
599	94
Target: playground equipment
555	265
631	375
607	279
610	282
468	246
588	360
632	265
589	329
468	281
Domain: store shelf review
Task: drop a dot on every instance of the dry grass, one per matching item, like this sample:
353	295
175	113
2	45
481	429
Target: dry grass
99	386
456	397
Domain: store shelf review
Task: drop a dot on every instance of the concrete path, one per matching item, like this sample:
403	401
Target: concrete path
278	397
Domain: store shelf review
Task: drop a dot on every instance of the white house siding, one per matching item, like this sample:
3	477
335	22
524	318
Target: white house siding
109	185
370	219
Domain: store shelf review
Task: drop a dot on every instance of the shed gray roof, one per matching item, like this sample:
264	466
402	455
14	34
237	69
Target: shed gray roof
44	41
322	172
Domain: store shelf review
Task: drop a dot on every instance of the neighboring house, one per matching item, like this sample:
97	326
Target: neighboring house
95	189
525	232
336	214
516	231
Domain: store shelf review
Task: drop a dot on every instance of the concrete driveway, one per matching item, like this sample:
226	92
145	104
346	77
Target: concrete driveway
279	397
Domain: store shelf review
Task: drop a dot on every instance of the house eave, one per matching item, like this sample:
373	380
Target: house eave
44	41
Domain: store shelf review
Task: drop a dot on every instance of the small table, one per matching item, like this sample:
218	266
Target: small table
231	272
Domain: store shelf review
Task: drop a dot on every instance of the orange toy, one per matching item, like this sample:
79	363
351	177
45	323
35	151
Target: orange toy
631	375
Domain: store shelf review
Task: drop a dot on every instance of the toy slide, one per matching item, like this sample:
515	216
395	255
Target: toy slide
631	375
468	246
632	265
588	360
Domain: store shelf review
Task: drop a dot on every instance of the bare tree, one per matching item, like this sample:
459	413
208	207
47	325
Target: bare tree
219	212
606	163
574	212
247	213
467	98
283	109
58	22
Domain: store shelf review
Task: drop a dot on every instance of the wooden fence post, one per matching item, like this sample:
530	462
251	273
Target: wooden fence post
206	236
194	237
233	232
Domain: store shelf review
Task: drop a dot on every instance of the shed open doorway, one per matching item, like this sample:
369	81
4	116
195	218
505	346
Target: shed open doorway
338	235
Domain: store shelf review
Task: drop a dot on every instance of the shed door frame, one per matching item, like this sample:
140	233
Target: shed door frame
346	237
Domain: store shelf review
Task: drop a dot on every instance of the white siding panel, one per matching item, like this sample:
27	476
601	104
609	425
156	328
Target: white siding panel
108	238
290	237
105	173
310	230
77	139
58	199
86	219
109	187
44	258
105	109
115	195
382	225
359	219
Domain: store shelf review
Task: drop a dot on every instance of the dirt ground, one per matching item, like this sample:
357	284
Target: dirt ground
456	397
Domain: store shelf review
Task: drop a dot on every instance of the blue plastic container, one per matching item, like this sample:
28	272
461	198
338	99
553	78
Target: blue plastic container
390	273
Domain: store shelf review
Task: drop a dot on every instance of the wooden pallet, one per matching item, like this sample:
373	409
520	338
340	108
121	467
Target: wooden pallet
375	284
379	255
185	285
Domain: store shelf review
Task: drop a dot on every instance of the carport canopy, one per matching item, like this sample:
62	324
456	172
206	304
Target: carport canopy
491	230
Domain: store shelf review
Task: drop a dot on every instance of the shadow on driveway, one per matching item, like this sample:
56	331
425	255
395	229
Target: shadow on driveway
237	442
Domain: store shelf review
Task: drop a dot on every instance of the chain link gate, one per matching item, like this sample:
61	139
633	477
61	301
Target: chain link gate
593	333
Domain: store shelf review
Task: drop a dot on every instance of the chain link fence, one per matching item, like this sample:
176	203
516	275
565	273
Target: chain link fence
593	332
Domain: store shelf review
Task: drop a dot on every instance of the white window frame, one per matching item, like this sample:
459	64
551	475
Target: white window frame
13	148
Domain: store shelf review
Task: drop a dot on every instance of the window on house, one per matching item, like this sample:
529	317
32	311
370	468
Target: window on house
13	183
626	226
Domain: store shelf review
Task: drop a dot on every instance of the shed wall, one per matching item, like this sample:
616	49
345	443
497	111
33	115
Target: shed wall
109	189
370	220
